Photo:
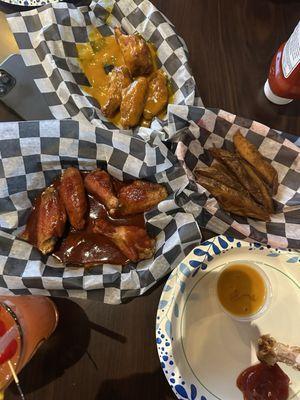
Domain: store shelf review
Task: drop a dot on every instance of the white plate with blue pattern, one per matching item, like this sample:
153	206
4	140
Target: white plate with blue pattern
30	3
201	349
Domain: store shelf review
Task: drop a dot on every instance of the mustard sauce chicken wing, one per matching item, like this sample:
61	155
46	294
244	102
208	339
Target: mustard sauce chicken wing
136	53
133	102
119	79
72	192
158	95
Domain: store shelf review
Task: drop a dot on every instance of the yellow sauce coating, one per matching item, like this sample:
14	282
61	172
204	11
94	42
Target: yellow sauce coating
96	56
241	290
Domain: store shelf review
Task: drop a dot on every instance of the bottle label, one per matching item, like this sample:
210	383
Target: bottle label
291	53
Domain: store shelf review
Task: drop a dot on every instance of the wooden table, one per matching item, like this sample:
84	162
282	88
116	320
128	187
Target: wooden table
108	352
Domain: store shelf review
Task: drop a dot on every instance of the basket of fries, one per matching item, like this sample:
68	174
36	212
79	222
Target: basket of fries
244	176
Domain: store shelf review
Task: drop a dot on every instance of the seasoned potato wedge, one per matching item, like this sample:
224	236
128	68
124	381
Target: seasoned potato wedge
267	200
233	163
218	172
233	201
250	153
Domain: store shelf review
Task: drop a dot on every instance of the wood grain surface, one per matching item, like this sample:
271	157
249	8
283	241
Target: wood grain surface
102	352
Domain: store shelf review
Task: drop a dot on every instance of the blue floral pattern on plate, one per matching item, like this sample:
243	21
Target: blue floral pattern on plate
30	3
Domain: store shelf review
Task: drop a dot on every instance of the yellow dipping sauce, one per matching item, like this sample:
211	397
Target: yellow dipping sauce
241	290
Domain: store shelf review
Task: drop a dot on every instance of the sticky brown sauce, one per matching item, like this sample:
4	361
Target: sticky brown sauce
88	248
97	57
263	382
241	290
31	227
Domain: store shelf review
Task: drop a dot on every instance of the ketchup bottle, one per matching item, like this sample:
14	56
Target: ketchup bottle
283	84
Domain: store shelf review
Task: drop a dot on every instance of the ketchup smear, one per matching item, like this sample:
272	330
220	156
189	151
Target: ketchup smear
10	350
262	382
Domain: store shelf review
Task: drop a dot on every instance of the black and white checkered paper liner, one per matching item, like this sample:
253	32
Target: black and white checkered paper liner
47	39
196	129
32	155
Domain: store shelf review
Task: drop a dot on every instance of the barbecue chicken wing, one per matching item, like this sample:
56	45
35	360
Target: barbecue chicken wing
136	53
119	79
158	95
133	241
46	222
72	192
140	196
99	184
133	102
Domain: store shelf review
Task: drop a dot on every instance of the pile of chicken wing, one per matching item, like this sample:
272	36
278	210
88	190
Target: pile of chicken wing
135	89
242	182
99	218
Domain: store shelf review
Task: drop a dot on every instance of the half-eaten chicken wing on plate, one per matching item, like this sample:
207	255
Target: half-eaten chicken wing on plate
271	352
140	196
133	102
72	192
136	53
133	241
99	184
46	222
119	79
158	95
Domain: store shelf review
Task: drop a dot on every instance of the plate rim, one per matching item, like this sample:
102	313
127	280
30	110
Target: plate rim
37	3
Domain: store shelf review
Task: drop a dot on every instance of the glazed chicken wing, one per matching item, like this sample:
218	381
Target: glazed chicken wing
99	184
133	102
140	196
46	222
136	53
133	241
158	95
119	79
72	192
